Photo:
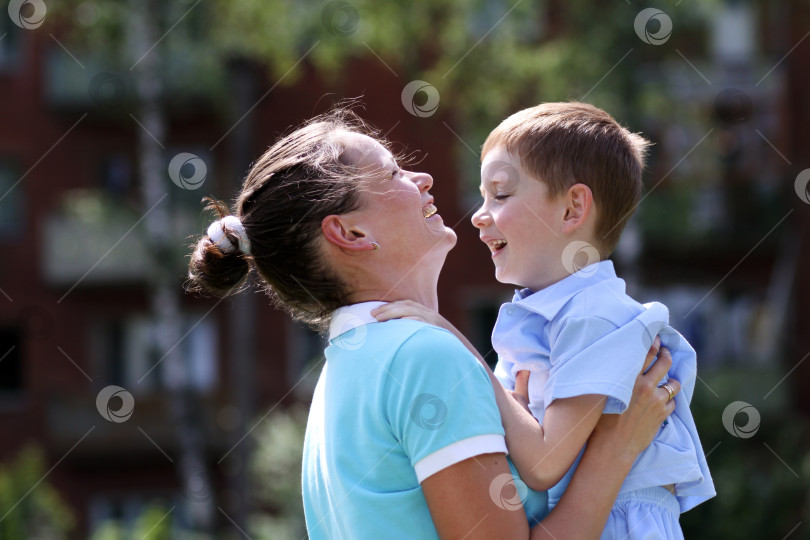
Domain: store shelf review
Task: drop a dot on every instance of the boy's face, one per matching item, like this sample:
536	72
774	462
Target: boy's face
520	223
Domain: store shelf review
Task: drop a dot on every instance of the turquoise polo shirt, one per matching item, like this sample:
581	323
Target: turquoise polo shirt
396	402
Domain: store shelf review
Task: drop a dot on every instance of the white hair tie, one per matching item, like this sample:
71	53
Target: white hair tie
216	232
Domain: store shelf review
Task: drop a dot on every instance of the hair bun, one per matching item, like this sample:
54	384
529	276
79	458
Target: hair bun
216	232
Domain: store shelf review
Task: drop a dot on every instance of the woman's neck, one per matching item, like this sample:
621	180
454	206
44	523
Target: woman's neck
427	296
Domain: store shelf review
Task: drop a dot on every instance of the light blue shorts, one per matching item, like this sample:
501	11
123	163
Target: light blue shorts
644	514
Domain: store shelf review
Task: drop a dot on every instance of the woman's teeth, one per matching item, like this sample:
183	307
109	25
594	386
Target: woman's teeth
429	210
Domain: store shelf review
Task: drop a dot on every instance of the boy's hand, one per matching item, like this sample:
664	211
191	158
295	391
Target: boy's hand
521	392
408	309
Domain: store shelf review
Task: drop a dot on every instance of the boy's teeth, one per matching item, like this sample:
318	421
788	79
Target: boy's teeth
429	210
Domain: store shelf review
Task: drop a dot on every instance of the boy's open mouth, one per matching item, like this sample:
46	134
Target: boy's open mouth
496	245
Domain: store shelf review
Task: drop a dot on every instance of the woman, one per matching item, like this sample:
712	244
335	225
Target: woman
405	438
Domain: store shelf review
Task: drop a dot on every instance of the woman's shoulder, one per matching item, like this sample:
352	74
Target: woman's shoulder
424	346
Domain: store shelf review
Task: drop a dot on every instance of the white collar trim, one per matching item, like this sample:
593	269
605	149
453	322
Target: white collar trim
348	318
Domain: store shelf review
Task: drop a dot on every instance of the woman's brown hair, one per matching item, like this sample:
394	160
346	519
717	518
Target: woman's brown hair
286	195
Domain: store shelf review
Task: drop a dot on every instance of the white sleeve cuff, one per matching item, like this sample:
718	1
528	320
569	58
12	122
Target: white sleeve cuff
457	452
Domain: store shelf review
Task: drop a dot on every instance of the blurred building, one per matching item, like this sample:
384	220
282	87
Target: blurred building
74	298
74	312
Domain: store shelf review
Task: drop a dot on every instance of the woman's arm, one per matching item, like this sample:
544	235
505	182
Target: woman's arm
460	497
461	505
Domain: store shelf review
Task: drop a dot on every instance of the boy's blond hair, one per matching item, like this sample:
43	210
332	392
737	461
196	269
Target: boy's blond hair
563	144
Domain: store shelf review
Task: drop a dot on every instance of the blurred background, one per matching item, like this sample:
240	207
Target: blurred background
131	410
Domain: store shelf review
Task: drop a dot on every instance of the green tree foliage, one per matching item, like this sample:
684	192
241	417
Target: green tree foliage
30	507
275	473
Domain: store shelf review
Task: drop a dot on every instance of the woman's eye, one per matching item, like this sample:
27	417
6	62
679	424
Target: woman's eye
394	172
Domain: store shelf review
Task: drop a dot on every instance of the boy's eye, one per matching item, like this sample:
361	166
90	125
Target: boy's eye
500	197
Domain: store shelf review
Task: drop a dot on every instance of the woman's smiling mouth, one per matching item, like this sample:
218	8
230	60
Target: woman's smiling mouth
429	210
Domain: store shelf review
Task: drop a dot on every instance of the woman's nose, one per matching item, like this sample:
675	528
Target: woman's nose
423	180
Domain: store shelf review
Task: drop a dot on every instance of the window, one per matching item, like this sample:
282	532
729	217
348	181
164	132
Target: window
11	363
127	354
10	38
482	315
11	200
305	349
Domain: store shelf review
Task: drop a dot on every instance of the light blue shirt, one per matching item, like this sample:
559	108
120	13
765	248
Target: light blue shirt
584	335
396	402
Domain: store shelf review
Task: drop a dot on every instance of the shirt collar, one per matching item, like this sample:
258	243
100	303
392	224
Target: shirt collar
549	301
348	318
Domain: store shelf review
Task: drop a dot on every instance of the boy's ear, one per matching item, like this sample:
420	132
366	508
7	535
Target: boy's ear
339	232
578	207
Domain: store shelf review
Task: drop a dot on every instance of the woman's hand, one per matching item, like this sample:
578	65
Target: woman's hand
649	407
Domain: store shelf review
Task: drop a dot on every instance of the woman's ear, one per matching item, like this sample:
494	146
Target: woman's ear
578	207
338	231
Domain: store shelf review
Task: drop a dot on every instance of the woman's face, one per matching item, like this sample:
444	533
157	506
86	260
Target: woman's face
398	209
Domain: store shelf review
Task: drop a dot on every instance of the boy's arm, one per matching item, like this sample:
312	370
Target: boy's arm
541	454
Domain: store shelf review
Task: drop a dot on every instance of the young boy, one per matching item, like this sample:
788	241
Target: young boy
560	181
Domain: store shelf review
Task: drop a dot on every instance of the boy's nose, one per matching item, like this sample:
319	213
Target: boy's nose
480	218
